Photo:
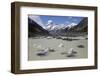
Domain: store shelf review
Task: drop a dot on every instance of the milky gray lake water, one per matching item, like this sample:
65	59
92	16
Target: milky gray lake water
37	44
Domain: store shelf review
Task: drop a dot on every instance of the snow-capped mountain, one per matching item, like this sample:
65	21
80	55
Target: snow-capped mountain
36	26
58	29
51	27
71	25
62	29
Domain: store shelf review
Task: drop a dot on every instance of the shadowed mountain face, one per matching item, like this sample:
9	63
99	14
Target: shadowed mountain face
35	29
81	27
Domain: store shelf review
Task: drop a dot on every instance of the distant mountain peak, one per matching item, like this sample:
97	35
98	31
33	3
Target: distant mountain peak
52	26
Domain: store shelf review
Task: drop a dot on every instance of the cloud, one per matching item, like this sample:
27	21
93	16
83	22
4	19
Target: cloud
50	22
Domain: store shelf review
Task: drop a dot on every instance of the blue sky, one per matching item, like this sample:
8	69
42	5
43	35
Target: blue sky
61	19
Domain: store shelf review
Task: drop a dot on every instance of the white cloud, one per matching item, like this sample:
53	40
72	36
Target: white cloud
50	22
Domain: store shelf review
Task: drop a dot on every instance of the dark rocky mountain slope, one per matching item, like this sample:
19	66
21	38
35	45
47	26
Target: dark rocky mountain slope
35	29
81	27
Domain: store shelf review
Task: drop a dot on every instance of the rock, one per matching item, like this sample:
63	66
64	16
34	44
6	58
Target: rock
68	39
80	46
41	54
86	38
71	55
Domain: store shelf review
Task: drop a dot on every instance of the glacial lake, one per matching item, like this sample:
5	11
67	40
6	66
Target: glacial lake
39	43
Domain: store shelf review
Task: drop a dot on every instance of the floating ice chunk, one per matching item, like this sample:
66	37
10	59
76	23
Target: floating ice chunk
71	52
46	50
43	52
61	45
49	37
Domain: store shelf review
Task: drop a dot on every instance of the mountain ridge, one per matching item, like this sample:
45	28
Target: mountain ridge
57	29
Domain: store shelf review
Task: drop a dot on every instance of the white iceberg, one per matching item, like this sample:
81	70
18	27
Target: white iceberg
72	52
61	45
